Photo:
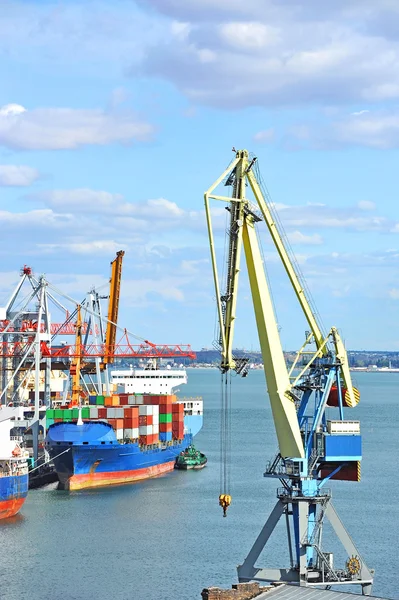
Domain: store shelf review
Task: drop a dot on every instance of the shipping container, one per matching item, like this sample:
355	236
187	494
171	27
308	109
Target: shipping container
165	418
93	412
165	436
100	400
145	430
165	427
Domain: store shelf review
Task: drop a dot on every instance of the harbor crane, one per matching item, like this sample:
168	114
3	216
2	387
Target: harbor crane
316	443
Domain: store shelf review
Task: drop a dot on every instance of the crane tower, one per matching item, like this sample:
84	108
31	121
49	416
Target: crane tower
316	443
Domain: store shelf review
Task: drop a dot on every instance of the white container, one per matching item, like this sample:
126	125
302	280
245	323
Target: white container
155	419
145	410
119	434
135	399
145	430
111	413
155	410
348	427
128	433
119	412
155	428
135	433
93	412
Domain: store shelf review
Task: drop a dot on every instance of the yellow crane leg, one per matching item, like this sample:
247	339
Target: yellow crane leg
278	384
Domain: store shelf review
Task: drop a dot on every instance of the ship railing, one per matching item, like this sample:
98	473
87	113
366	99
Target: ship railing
190	399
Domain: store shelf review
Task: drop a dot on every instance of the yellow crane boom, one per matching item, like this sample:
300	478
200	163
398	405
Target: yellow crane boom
242	233
113	309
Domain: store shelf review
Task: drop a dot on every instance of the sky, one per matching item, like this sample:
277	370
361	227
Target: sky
115	117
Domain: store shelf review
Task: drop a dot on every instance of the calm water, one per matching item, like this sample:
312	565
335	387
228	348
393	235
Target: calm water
165	538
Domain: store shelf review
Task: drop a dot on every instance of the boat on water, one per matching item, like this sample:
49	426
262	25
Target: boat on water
191	458
14	477
125	437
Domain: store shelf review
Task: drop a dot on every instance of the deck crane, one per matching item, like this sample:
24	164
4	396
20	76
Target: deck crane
113	309
313	446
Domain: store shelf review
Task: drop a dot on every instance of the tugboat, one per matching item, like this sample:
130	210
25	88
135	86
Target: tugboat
191	458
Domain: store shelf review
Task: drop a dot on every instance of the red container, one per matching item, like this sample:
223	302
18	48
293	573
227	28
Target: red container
118	423
102	413
112	422
333	397
128	423
178	408
145	420
165	427
151	400
132	412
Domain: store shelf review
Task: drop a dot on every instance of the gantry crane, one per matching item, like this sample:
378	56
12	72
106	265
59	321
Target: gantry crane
314	445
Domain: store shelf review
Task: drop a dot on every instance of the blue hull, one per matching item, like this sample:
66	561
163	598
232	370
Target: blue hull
13	491
89	455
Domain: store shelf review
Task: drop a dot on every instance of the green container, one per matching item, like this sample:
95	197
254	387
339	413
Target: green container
49	422
86	413
75	413
165	418
58	413
50	413
100	400
67	414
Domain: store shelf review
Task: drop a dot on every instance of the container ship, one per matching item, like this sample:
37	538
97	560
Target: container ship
125	437
14	476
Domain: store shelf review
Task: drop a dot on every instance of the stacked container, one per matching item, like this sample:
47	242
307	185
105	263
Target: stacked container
178	421
148	424
149	418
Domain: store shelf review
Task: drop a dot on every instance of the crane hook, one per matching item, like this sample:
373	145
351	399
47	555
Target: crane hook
224	502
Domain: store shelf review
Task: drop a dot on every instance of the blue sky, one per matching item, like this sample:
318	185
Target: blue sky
116	116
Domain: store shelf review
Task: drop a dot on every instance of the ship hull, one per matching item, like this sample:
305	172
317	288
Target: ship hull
89	456
13	492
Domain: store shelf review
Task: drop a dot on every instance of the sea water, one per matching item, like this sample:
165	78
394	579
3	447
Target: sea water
166	539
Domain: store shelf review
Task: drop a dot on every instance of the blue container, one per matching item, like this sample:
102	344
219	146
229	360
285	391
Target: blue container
93	400
343	447
165	437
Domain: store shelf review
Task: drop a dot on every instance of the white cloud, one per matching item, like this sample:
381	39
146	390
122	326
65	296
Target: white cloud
296	237
67	128
288	53
17	175
95	247
248	35
366	205
267	135
394	293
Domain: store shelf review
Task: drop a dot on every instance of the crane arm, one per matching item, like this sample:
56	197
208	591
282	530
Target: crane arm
285	259
242	233
278	384
113	308
76	363
352	394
